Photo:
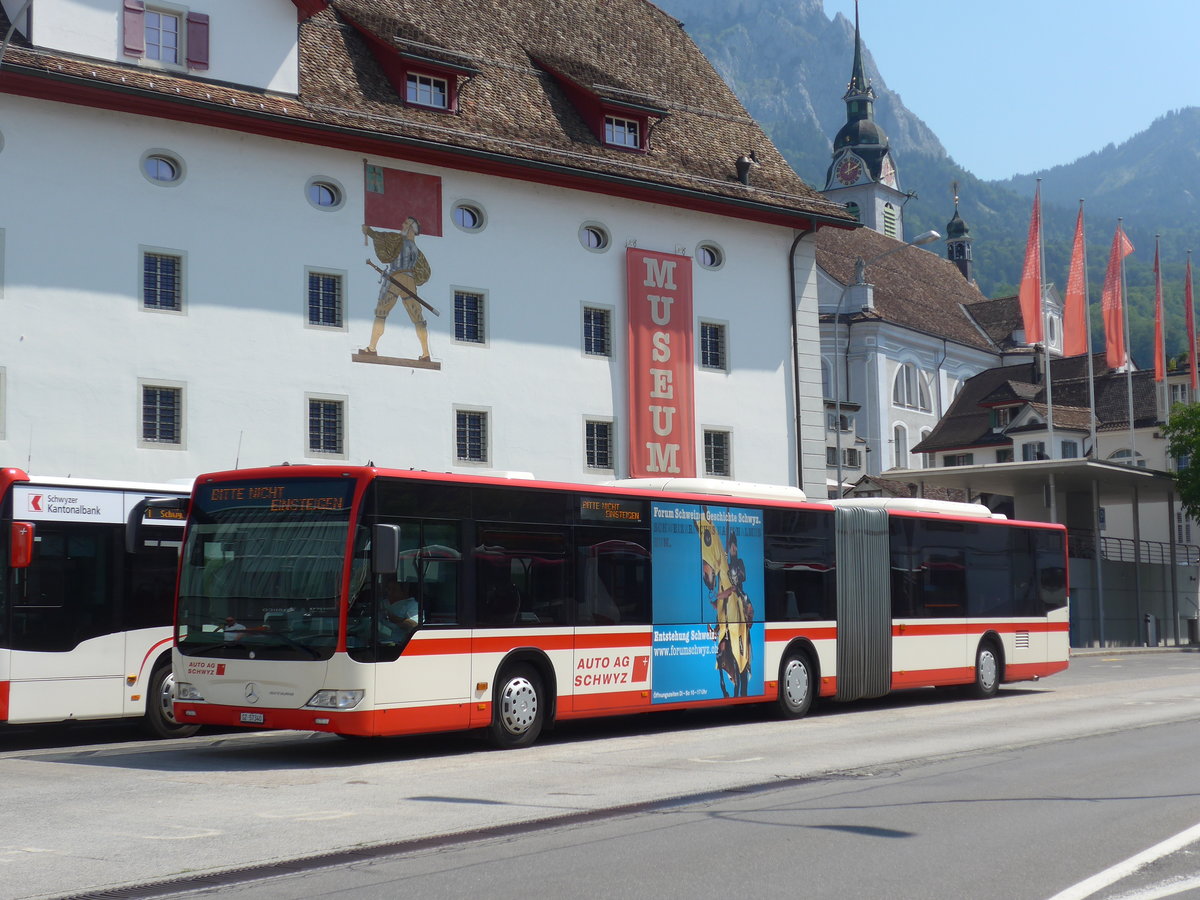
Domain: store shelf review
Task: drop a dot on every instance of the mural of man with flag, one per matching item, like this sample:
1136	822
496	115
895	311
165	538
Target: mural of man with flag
407	204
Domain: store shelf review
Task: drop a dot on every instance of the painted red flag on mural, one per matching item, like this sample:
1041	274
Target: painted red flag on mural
392	195
1075	312
1111	301
1190	319
1030	293
1160	357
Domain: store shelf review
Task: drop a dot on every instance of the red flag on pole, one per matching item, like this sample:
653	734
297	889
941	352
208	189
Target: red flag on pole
1075	312
1190	318
1111	301
1030	293
1160	358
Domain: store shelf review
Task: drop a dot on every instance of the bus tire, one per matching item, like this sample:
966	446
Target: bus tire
796	685
518	710
159	719
987	671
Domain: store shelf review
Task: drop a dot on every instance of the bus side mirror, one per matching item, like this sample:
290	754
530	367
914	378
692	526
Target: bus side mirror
20	553
385	549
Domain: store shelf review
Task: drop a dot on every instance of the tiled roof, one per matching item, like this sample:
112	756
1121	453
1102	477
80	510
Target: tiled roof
913	287
998	318
968	423
893	488
513	114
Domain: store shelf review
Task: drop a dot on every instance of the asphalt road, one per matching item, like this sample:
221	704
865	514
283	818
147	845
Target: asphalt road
1021	796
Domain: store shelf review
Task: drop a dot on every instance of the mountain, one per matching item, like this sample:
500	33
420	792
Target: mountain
789	64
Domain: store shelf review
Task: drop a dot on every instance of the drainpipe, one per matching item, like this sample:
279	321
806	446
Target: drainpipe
795	351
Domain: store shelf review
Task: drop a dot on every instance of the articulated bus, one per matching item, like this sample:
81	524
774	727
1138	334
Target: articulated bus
87	584
364	602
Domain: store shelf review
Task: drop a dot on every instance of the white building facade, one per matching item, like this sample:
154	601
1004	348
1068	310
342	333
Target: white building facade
190	283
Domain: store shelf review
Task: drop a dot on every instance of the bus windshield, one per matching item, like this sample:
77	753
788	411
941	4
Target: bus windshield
262	569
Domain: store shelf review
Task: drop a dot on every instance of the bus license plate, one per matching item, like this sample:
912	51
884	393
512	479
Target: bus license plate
251	718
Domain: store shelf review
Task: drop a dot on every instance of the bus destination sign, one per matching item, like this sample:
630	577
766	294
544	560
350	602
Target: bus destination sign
293	495
606	509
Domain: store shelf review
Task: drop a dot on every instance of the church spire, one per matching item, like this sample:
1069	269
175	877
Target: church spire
958	240
862	174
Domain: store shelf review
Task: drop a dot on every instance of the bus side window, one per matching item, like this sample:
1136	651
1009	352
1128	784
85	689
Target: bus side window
613	571
68	596
439	562
521	576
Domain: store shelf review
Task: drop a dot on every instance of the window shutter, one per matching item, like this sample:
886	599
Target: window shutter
135	27
197	41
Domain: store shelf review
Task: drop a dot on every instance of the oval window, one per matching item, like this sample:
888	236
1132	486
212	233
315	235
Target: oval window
468	217
594	237
324	195
709	256
161	168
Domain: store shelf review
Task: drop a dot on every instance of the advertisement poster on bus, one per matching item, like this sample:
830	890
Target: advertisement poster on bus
708	581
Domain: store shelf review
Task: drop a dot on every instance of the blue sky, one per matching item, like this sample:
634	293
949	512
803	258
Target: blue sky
1041	82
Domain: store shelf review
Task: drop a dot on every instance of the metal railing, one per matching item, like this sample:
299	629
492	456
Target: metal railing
1082	545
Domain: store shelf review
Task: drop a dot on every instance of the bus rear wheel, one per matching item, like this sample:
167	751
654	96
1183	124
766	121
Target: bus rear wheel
795	686
987	672
518	711
159	720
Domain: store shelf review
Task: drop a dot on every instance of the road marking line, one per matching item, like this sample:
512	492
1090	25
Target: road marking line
1165	889
1113	874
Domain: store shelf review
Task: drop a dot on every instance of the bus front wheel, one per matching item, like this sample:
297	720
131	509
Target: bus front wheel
795	686
518	712
987	671
159	720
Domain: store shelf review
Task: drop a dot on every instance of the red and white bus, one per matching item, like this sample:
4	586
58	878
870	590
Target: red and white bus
87	578
363	601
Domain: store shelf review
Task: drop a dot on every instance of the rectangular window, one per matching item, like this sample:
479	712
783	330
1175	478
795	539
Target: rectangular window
712	346
853	458
471	435
1070	449
597	331
622	132
831	456
468	317
716	454
1183	528
163	33
1003	416
426	90
162	415
326	427
325	299
1179	393
1033	450
598	440
162	281
959	459
1004	455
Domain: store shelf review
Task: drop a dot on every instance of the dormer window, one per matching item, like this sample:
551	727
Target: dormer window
622	132
165	35
428	90
617	116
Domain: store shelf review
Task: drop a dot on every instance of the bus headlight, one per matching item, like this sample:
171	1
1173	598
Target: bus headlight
187	693
336	699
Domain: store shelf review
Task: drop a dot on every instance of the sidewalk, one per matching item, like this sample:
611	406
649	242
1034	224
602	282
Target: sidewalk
1114	651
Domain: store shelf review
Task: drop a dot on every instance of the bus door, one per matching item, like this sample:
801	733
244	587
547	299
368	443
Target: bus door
434	664
935	569
864	614
69	649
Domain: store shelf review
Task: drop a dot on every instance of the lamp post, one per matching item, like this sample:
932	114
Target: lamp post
860	269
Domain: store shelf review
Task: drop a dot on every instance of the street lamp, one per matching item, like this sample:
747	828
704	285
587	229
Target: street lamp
860	268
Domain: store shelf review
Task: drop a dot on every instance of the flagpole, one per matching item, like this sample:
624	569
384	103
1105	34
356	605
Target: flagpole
1128	356
1046	340
1191	327
1087	305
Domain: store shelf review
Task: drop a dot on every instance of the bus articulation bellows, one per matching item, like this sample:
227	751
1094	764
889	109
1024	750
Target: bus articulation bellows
364	601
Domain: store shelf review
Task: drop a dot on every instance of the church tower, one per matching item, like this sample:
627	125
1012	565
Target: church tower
862	175
958	241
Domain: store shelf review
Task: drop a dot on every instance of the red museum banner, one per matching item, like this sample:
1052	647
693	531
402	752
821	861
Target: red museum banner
662	432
